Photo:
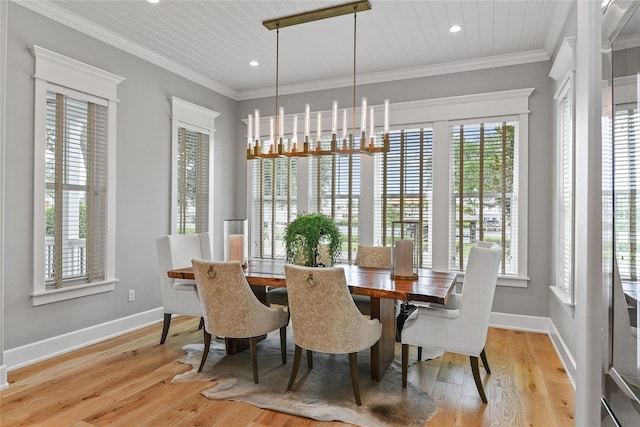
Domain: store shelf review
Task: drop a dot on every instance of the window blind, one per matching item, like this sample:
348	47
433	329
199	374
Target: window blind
75	190
404	181
193	181
484	191
627	205
565	125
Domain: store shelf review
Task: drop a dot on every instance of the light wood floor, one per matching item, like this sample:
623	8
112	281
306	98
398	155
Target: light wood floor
127	381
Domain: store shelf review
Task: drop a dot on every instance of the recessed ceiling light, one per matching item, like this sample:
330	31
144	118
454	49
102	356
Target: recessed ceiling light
153	1
254	63
455	28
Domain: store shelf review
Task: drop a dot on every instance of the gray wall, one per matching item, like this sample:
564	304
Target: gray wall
534	300
143	177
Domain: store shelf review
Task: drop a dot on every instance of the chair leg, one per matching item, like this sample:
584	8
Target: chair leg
353	368
201	324
253	346
296	364
476	377
405	363
419	354
483	356
309	359
283	344
165	327
205	352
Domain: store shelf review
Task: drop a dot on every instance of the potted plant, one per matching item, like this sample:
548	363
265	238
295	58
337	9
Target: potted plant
307	234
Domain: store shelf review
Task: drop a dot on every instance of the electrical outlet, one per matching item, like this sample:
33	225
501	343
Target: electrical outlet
132	295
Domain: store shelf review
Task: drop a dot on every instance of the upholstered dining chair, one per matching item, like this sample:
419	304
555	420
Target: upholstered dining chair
231	309
180	296
371	257
461	325
325	318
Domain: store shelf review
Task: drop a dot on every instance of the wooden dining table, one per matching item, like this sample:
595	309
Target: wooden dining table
377	283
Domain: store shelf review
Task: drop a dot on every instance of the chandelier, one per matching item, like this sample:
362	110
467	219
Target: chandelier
279	146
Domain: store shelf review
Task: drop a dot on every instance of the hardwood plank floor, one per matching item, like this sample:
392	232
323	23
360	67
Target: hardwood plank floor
127	381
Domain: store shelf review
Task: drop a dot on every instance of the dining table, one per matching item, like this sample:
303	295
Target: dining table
376	283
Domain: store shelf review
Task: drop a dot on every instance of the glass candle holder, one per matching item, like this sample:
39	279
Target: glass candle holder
236	240
404	244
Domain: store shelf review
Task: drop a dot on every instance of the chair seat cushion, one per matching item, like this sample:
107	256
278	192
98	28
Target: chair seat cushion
277	296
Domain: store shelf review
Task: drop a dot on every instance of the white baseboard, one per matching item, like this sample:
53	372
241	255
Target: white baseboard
3	377
538	324
18	357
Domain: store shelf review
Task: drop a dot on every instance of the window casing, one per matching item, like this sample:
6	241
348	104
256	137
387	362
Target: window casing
193	129
74	167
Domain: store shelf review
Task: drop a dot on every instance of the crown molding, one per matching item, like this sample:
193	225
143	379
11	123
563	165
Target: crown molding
626	42
402	74
71	20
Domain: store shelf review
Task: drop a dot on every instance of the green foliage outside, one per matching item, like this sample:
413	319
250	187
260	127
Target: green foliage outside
50	221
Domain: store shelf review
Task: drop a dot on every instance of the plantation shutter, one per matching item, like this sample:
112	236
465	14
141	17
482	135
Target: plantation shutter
76	188
565	125
193	181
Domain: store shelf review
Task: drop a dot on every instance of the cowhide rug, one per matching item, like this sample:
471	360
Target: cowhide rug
323	393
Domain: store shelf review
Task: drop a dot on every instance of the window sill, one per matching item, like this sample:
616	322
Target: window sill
562	296
47	297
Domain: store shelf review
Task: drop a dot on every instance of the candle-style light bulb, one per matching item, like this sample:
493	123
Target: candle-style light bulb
334	118
363	113
345	130
386	116
281	126
250	130
257	124
371	124
294	137
271	129
307	120
319	132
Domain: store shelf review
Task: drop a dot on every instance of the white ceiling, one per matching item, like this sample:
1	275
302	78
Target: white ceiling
212	41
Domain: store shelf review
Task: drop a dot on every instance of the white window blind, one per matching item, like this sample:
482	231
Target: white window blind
627	202
193	181
565	202
484	192
404	183
274	204
76	155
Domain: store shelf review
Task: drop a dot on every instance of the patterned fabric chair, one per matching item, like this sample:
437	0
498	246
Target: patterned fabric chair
373	257
325	319
231	309
461	325
179	296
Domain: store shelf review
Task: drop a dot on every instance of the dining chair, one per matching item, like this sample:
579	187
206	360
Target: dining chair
461	325
180	296
231	309
324	318
371	257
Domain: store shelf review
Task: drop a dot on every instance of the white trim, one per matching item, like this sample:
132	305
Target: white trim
189	115
626	42
55	295
4	15
402	74
563	352
561	295
29	354
565	59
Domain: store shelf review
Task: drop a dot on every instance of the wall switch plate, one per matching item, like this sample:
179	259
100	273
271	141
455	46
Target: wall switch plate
132	295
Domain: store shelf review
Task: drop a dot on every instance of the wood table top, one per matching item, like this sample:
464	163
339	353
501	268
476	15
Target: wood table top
430	286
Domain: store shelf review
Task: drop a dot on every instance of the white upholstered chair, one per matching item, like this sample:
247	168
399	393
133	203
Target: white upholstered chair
461	325
180	296
371	257
325	318
231	309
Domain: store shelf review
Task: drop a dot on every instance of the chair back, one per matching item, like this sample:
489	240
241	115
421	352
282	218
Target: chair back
229	306
323	315
373	256
176	251
478	289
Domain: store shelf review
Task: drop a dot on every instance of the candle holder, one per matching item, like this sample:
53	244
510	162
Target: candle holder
235	240
404	243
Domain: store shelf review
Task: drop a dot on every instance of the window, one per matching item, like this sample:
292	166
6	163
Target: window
74	164
563	72
193	129
274	204
404	190
484	191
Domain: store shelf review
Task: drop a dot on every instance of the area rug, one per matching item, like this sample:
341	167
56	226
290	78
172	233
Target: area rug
323	393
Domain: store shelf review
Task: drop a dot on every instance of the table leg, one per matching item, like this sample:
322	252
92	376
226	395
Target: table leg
382	353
